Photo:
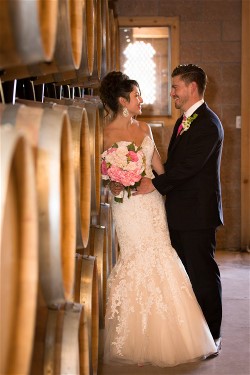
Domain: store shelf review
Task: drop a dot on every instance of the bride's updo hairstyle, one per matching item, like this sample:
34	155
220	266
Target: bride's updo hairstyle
113	86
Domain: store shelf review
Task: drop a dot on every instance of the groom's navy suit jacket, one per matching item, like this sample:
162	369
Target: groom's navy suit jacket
191	181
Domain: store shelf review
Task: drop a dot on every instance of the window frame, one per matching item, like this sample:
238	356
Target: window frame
174	24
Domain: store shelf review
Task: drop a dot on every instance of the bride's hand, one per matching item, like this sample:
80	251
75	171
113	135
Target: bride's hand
115	187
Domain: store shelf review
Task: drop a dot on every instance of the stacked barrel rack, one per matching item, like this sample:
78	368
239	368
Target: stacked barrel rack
58	243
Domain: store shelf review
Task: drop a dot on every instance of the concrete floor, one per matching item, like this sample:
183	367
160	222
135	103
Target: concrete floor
234	358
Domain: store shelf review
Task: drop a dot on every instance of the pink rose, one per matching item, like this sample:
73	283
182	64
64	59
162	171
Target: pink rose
115	173
126	178
104	168
111	149
132	156
123	164
129	178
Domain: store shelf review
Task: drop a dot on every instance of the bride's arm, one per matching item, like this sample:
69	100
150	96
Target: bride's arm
157	163
156	159
146	185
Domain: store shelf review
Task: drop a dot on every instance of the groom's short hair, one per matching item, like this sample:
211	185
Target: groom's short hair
192	73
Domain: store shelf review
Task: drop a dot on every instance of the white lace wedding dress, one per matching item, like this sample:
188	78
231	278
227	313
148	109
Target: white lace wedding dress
152	315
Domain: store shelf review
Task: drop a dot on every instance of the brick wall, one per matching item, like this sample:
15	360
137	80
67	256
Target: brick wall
210	36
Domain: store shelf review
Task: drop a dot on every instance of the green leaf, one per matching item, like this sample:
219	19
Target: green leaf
128	188
131	147
119	200
192	118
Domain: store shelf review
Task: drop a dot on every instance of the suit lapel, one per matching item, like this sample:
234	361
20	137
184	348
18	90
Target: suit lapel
175	140
175	143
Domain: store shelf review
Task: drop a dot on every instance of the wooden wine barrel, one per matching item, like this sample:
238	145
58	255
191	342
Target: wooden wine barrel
68	49
94	109
95	120
49	133
113	32
108	39
107	199
98	248
99	36
104	193
37	361
105	35
56	342
33	103
97	63
85	328
62	350
28	32
86	292
76	22
89	41
95	134
117	45
105	219
82	162
82	166
57	202
68	41
18	251
91	32
115	243
83	72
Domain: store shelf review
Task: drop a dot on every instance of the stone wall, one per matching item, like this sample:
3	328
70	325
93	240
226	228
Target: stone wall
210	36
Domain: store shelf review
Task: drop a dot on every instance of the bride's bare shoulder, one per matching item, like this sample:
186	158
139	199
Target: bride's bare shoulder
109	129
109	132
144	127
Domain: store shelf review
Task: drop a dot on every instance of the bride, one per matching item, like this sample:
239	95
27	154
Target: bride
152	315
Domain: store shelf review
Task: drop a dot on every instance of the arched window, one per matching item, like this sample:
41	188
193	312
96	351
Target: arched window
141	51
148	53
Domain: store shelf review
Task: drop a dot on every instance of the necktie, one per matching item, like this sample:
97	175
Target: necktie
180	126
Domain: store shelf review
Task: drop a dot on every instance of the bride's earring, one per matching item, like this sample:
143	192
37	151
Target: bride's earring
125	112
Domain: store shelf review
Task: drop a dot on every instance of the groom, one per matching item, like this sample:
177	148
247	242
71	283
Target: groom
191	184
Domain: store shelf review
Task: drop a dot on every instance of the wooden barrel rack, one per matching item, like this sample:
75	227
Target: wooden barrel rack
63	245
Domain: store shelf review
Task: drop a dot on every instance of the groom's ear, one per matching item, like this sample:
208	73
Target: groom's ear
194	88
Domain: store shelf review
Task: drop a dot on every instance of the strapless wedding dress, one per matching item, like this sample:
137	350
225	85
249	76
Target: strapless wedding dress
152	315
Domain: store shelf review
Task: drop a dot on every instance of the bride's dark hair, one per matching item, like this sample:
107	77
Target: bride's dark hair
113	86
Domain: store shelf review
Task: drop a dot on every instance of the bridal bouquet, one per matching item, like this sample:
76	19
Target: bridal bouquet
124	163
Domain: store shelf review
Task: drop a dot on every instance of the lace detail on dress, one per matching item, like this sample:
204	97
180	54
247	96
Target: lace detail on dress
152	314
148	149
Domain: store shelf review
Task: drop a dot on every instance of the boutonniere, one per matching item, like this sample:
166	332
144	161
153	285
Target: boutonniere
187	122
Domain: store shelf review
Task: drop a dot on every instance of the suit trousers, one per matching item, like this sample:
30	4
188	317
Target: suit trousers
196	249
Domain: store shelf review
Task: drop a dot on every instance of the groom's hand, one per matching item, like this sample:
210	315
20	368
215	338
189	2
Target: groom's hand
145	186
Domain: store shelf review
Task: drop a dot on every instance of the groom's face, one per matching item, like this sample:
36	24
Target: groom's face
181	93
